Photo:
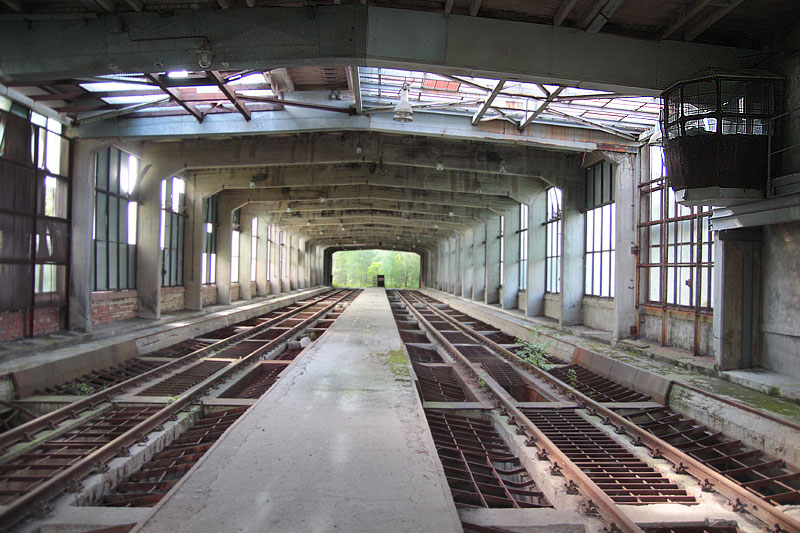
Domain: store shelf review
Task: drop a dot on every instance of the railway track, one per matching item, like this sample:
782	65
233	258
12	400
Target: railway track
601	470
53	452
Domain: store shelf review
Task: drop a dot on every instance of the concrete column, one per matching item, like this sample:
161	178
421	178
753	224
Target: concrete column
148	249
195	233
493	260
81	282
536	253
225	218
573	235
627	215
262	261
274	263
479	262
245	293
511	284
293	260
467	252
457	263
737	280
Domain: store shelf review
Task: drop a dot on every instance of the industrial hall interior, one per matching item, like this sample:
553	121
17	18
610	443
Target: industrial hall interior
492	266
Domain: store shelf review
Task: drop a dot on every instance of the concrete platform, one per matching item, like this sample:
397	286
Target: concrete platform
340	443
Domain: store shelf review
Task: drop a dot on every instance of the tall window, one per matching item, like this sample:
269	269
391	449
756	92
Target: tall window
253	247
34	211
601	232
676	245
209	258
524	216
173	224
115	207
235	247
269	249
502	249
552	261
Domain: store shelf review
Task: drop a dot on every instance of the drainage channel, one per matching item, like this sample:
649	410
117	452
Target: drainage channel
57	450
599	463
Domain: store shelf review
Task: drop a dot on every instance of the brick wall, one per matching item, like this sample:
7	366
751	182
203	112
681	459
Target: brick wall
171	299
112	306
209	295
45	320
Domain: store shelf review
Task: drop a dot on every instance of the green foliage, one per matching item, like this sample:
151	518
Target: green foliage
83	389
360	268
534	353
572	376
482	383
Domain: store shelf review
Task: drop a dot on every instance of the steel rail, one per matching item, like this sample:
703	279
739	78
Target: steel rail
607	508
15	511
24	432
755	505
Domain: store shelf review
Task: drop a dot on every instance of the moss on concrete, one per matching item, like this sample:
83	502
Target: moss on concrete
396	360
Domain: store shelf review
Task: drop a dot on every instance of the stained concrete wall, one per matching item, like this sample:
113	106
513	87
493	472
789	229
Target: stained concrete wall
598	313
780	299
680	330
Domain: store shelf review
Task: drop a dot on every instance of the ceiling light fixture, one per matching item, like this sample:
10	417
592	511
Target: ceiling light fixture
403	111
205	55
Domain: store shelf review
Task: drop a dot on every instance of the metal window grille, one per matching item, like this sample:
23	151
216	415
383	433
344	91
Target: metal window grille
676	257
173	225
524	216
552	265
235	246
209	259
601	214
115	210
34	211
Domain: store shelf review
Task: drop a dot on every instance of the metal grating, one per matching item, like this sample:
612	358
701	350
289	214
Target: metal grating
28	470
618	472
771	479
423	354
480	469
596	387
439	384
503	373
180	349
100	379
257	382
147	486
183	381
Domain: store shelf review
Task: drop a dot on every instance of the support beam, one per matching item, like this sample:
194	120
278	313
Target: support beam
354	84
563	11
687	14
358	34
190	108
476	118
229	94
605	14
702	25
474	7
136	5
16	5
550	97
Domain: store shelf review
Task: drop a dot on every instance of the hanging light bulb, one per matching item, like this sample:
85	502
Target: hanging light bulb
403	111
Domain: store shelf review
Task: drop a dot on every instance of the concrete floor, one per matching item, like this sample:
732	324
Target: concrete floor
340	443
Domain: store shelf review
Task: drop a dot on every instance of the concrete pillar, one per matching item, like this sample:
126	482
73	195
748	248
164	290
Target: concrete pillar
627	194
457	263
274	265
737	280
479	262
245	293
81	282
493	260
536	252
262	260
573	235
293	260
284	260
193	242
467	252
148	230
225	218
511	259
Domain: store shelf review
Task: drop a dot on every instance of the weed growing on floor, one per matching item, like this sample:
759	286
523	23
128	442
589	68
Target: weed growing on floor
534	353
572	376
83	389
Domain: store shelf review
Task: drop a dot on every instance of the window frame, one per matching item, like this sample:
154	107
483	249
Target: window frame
208	271
524	222
172	233
600	243
552	250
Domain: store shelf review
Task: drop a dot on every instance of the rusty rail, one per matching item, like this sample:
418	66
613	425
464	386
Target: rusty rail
755	505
